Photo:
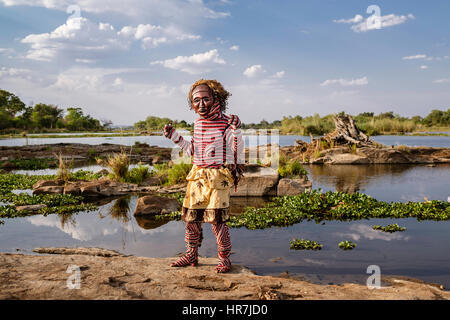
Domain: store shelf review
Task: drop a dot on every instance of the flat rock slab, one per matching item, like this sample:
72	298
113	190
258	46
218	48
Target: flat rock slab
130	277
153	205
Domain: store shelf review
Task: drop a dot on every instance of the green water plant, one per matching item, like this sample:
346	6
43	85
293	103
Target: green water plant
55	203
347	245
389	228
303	244
317	206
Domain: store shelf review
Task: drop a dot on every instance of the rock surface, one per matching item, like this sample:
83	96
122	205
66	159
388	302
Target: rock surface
371	155
31	207
153	205
257	181
81	153
107	274
292	187
102	187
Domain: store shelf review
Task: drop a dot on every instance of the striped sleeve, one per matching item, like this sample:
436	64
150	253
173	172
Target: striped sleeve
187	146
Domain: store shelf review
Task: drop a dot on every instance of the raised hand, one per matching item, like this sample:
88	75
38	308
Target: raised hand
168	130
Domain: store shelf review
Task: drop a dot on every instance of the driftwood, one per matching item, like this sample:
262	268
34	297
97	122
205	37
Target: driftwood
345	134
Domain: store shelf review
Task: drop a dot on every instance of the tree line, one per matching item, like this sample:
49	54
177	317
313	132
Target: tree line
368	122
14	114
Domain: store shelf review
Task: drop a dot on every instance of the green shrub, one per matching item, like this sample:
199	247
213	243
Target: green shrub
137	174
175	174
290	168
178	173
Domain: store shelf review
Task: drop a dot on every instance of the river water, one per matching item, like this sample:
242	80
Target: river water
161	141
422	251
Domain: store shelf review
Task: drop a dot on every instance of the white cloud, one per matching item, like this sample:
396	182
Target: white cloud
366	231
423	67
195	64
78	38
14	72
90	79
357	18
442	80
384	22
83	41
279	75
6	50
415	57
343	82
152	36
84	60
234	48
253	71
372	23
148	9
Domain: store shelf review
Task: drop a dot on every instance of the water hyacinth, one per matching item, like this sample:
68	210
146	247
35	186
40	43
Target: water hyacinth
316	206
304	244
55	203
389	228
347	245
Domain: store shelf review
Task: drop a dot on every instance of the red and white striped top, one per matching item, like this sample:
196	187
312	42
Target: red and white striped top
217	140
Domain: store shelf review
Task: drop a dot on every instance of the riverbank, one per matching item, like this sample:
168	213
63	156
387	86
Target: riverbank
439	131
82	154
108	274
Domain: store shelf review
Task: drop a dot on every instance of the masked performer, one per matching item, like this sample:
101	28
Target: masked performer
218	158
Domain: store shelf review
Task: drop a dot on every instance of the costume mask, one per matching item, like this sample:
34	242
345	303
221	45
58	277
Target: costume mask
202	100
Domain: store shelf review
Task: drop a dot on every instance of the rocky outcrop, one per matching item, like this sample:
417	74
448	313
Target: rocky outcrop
81	153
31	207
103	187
257	181
110	275
292	187
154	205
370	155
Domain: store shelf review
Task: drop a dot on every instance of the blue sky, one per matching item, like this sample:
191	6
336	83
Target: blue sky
124	61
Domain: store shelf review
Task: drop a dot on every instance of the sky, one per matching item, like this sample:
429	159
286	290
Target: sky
125	60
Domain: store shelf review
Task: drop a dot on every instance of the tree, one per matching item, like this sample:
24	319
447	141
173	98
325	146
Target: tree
140	125
365	115
10	104
437	117
417	119
46	115
389	115
76	120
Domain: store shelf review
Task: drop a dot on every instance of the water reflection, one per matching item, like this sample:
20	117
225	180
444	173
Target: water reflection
386	182
120	209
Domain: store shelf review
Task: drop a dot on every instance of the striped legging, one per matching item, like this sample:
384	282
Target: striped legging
193	238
